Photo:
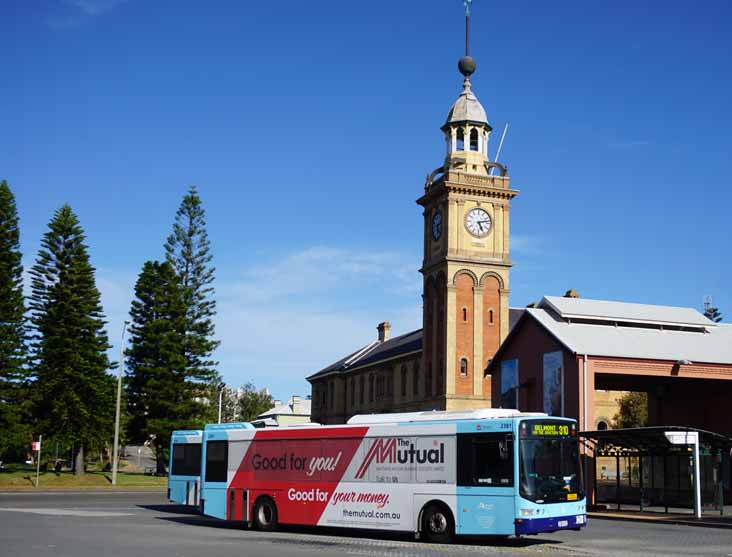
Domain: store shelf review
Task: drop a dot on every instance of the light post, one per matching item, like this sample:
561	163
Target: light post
119	402
222	386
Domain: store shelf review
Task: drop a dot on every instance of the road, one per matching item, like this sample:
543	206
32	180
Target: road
124	524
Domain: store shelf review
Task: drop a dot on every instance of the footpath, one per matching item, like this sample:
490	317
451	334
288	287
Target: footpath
685	519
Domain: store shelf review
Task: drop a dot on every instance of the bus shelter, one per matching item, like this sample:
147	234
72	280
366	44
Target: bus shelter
654	468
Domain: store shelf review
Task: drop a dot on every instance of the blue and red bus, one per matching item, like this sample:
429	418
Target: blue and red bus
437	474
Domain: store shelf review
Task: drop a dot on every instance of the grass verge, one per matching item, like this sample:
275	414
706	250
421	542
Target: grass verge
25	480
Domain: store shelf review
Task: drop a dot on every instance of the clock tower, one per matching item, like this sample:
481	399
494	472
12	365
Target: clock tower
466	260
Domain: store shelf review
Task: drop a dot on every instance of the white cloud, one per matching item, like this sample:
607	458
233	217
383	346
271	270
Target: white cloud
94	7
526	244
284	319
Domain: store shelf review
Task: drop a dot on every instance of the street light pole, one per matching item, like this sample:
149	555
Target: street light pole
221	396
119	402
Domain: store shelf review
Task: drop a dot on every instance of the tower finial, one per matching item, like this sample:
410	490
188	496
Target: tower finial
466	65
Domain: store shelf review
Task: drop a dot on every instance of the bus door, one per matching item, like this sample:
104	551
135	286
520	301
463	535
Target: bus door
192	490
486	483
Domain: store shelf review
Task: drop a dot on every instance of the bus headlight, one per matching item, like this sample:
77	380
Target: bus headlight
527	512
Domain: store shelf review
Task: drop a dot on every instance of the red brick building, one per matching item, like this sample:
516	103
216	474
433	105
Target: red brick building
560	353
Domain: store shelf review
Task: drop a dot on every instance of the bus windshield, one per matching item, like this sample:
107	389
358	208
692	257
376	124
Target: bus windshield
549	469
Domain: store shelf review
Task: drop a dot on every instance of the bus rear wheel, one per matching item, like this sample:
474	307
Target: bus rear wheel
265	514
437	524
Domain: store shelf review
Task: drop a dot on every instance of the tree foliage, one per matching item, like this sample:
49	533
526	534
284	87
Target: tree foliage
73	394
253	402
162	395
188	251
633	410
13	356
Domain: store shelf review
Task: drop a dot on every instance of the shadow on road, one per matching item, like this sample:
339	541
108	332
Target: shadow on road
323	532
172	509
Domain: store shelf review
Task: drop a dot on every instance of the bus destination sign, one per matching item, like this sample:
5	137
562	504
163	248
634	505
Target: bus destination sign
547	429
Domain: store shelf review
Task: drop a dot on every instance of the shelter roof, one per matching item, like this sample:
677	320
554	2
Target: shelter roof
648	440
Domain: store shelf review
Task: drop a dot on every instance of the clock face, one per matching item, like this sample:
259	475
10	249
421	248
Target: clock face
478	222
437	225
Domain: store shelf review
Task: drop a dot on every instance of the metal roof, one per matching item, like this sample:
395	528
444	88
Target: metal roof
605	310
375	352
467	108
712	345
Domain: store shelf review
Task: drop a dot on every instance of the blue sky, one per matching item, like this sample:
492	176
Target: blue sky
309	127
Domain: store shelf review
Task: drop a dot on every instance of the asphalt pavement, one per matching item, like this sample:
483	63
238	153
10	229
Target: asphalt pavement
124	524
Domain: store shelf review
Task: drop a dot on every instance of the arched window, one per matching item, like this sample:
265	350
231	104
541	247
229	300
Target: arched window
460	140
404	380
361	389
332	394
474	139
371	388
353	392
602	425
463	366
465	314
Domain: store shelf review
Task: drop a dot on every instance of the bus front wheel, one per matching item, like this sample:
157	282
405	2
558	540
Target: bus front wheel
437	524
265	514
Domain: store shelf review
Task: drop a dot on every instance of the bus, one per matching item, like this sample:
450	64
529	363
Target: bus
184	467
437	474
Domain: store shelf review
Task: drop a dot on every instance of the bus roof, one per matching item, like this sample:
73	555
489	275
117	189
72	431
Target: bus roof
440	415
232	425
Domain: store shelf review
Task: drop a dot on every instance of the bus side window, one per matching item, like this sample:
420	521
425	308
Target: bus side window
485	460
217	453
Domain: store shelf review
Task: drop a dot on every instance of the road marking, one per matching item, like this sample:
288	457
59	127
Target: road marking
66	512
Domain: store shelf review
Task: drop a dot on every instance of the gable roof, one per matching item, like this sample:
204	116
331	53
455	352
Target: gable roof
624	330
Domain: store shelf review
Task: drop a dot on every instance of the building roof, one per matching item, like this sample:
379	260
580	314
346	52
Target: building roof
296	407
381	351
467	108
621	330
605	310
373	352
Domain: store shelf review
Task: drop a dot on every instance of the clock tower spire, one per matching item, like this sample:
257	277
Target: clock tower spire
466	255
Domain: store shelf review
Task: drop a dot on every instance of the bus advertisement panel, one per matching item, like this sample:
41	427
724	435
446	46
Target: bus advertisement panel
438	479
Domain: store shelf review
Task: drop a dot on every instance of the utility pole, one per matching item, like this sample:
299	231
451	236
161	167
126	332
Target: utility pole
119	402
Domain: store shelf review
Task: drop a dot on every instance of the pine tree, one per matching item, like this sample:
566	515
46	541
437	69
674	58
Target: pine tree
13	357
73	394
188	251
253	402
160	395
